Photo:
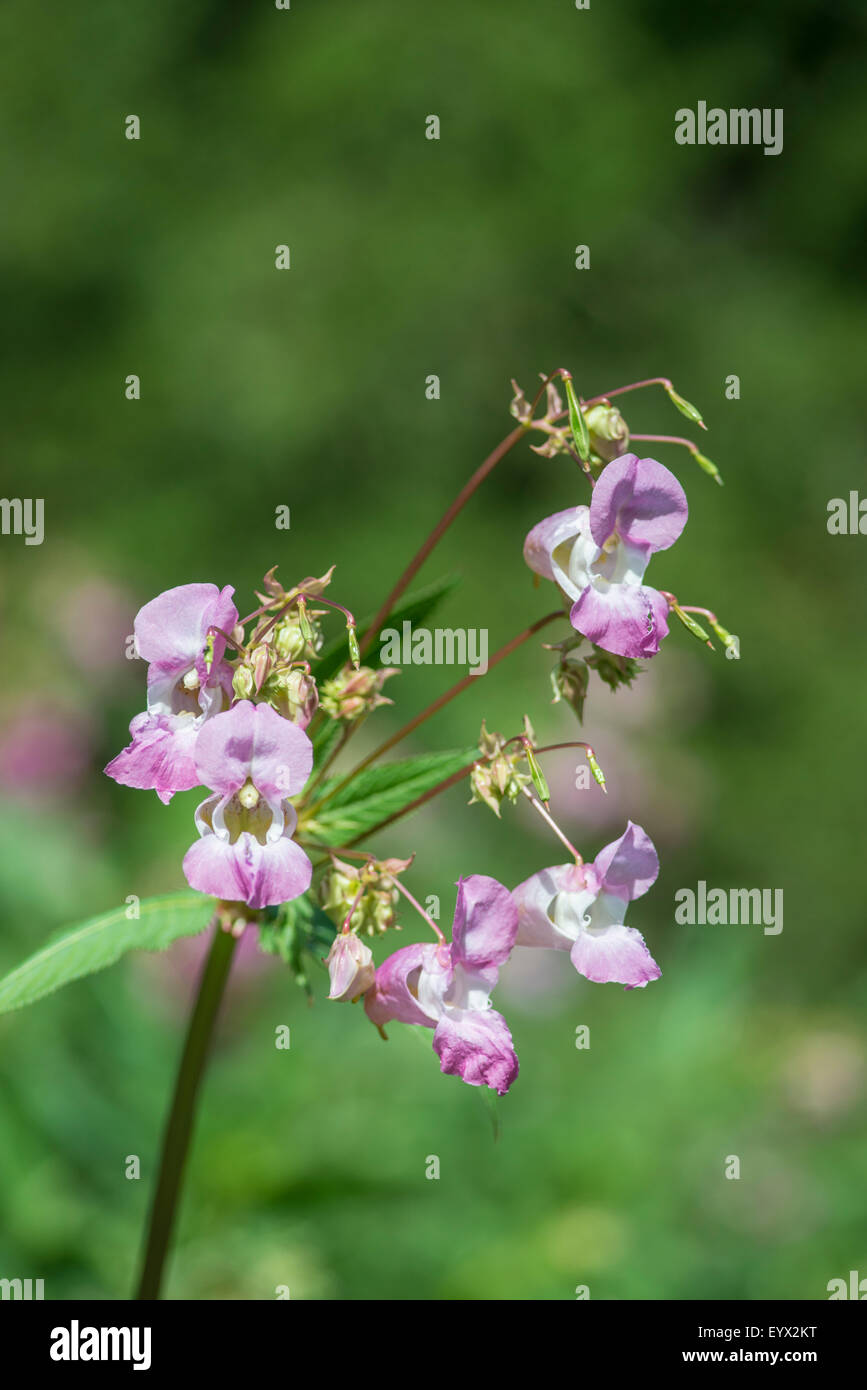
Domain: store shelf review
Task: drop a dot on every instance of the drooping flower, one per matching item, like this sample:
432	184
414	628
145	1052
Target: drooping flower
447	987
597	555
580	909
253	761
350	966
187	681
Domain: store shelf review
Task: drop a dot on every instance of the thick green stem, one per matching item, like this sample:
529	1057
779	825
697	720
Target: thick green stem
176	1141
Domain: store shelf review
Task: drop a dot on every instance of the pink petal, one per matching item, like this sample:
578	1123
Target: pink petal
391	997
172	629
627	619
160	757
478	1048
628	866
616	955
247	871
544	538
253	741
640	500
485	923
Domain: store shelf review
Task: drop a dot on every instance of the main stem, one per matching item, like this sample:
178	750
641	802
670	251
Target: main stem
176	1141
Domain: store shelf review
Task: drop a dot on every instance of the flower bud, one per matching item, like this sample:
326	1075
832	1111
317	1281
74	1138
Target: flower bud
731	643
338	891
293	694
684	407
537	775
577	423
350	966
351	694
243	683
690	623
260	662
708	465
364	896
609	432
497	774
598	774
288	640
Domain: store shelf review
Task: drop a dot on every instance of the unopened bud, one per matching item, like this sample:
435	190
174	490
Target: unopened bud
350	966
609	432
577	423
685	407
243	683
708	465
261	664
598	774
537	775
690	623
731	643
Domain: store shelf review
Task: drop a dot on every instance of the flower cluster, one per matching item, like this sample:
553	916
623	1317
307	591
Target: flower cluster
254	711
573	907
201	729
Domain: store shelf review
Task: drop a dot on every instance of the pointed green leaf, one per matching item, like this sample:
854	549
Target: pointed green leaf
325	738
100	941
414	608
382	791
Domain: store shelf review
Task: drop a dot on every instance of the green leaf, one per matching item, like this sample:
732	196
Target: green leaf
299	928
382	791
100	941
414	608
325	739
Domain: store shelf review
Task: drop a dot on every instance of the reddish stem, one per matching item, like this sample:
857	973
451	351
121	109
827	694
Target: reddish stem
436	706
439	531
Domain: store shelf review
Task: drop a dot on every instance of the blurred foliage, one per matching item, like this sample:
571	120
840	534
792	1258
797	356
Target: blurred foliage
306	388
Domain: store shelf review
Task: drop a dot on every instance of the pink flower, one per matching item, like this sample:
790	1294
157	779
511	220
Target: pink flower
446	987
597	555
581	910
253	761
187	679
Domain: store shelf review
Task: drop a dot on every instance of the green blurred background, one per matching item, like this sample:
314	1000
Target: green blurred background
306	388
